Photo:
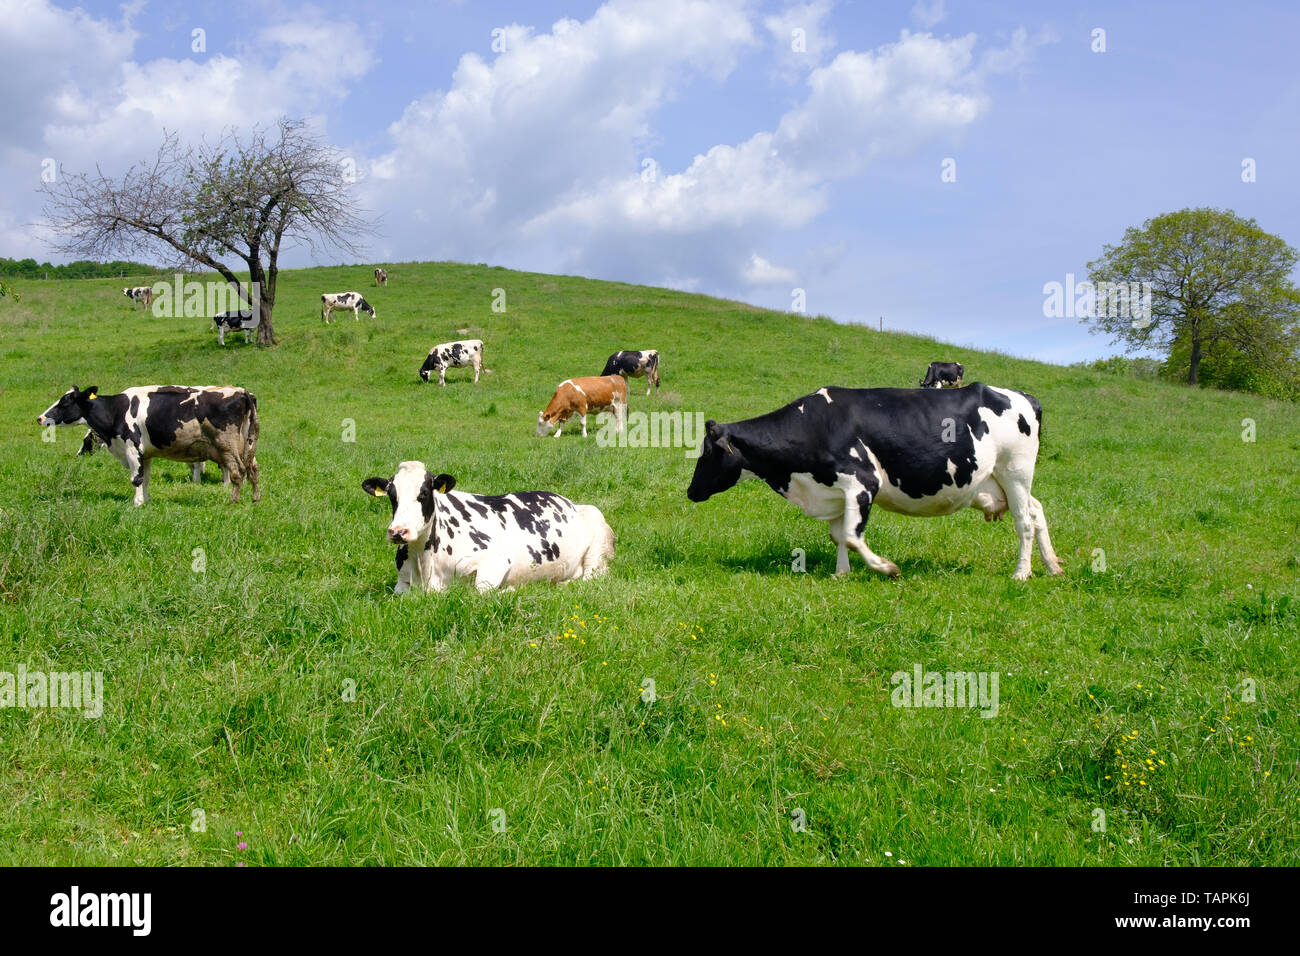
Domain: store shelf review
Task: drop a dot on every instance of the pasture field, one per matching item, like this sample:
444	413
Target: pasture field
511	728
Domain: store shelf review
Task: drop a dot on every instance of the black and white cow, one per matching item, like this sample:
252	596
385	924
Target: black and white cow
332	302
502	540
635	365
460	354
381	277
179	422
142	294
245	319
916	452
943	375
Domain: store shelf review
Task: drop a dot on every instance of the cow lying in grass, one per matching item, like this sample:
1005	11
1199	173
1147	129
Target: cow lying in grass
502	540
579	396
180	422
920	452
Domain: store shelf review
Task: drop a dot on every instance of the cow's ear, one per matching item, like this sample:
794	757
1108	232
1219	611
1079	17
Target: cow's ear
376	486
92	391
443	484
711	427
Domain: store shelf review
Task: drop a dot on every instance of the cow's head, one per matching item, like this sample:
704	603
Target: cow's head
410	492
719	465
544	424
71	409
127	293
366	307
430	363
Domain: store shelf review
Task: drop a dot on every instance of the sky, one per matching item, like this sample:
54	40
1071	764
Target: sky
935	163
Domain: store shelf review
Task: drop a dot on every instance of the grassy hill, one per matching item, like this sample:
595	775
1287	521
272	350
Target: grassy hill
511	727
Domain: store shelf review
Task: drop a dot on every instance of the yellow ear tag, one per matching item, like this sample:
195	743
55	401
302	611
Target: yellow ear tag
93	395
378	494
442	488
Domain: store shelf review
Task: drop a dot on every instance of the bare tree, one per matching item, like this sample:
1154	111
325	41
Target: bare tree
208	204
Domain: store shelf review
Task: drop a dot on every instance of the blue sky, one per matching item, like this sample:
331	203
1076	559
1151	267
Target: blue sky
772	168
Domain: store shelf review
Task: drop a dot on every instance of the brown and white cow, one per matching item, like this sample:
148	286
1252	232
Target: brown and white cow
578	396
381	277
179	422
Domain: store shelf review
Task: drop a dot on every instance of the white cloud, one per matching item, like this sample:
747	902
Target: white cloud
800	37
709	217
929	13
88	101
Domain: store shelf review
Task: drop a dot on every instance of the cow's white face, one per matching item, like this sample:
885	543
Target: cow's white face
543	426
410	492
70	409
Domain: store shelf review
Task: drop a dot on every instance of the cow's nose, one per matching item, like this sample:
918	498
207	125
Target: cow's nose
400	534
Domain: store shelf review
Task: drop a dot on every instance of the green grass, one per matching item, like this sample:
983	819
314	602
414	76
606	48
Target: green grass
224	689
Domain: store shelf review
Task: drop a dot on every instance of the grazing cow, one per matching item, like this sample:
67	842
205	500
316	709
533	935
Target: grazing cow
245	319
180	422
583	395
332	302
141	293
943	375
460	354
837	452
635	365
503	540
381	277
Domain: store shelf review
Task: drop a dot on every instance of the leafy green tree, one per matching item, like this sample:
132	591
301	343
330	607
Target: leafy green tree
1219	285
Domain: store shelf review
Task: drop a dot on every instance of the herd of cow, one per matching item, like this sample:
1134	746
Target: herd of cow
834	453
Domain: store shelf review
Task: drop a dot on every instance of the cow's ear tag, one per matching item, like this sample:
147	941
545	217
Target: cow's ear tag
93	395
378	493
730	450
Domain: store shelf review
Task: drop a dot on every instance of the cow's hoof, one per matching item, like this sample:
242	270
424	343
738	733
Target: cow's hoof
892	570
1057	571
1021	576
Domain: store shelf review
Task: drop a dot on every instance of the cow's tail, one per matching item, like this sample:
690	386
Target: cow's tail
1038	412
252	428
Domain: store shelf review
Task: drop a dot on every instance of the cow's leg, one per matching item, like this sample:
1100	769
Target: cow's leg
841	546
859	490
1015	484
221	335
491	573
248	335
478	367
196	471
1044	541
141	480
442	376
620	416
582	416
356	314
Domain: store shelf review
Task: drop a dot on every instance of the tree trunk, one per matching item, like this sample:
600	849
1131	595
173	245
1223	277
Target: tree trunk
1194	366
265	331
